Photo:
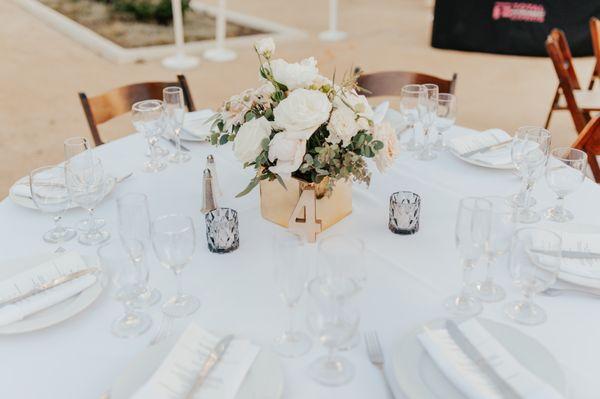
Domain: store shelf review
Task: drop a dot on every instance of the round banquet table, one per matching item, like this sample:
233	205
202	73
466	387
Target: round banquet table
408	276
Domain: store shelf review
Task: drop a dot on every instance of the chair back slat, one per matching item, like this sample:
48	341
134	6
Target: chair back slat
589	141
595	33
390	83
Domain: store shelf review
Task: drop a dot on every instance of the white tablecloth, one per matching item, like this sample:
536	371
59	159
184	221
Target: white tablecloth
408	276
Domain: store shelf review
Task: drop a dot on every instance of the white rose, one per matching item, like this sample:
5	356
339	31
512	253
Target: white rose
265	47
296	75
342	126
385	133
247	143
289	154
358	103
301	113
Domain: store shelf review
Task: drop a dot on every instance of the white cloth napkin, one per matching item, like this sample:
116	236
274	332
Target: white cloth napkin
469	378
21	188
380	111
467	143
28	280
195	123
179	371
395	119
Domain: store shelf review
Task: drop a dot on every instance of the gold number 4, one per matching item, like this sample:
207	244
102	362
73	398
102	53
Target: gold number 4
304	217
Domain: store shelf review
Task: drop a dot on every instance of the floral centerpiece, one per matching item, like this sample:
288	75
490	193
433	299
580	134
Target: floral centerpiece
300	124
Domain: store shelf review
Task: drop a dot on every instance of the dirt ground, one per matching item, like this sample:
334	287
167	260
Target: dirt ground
41	72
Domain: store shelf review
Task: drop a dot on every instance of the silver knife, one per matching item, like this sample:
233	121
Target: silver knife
482	363
486	149
174	143
211	361
569	254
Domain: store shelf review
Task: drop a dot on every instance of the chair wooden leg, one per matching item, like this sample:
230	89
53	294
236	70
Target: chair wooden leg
548	118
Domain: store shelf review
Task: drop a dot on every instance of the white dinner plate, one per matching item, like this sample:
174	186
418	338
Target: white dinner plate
54	314
27	202
420	378
480	163
264	379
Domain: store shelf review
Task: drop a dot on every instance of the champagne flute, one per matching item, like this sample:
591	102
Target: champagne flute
445	117
410	98
427	114
564	177
174	114
148	118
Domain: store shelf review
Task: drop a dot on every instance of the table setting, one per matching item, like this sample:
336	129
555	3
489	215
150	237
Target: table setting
303	243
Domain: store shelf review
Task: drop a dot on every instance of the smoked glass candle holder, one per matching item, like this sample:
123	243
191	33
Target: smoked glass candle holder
222	232
405	207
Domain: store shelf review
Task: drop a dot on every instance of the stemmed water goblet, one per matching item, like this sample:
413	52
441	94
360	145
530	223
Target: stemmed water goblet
427	115
498	244
334	322
534	263
564	174
174	114
410	99
50	195
134	225
473	223
174	241
529	153
148	118
445	117
86	184
125	278
291	275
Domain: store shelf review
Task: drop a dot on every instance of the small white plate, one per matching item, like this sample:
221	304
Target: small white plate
480	163
264	379
419	377
27	202
54	314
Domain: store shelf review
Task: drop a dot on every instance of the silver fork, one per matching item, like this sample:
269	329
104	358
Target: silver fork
376	356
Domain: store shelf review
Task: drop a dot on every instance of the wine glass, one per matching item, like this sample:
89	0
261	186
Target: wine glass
343	261
134	224
445	117
535	260
410	98
334	322
148	118
529	153
473	223
125	278
291	275
174	114
87	185
50	195
427	114
501	233
564	177
174	242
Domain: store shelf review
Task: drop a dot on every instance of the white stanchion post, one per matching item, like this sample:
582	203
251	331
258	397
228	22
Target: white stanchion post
220	53
332	34
180	60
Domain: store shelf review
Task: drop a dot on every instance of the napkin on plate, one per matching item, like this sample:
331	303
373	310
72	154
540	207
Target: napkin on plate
21	188
468	377
28	280
195	123
395	119
463	144
177	374
380	111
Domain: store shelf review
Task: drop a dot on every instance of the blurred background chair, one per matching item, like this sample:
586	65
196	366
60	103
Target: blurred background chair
589	141
390	83
595	33
104	107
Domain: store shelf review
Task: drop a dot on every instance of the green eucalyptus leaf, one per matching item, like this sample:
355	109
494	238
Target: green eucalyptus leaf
253	183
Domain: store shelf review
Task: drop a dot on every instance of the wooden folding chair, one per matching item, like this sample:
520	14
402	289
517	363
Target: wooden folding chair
390	83
104	107
595	33
568	94
589	141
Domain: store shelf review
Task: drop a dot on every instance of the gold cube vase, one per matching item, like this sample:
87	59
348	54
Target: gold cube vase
277	203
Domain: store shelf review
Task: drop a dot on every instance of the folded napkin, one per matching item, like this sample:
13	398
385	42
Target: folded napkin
380	111
469	378
179	371
464	144
195	123
26	281
395	119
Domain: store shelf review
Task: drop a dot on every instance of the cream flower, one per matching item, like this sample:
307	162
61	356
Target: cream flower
342	126
385	133
358	103
265	47
289	154
301	113
296	75
247	143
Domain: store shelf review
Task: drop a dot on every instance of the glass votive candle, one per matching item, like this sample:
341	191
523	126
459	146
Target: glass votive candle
222	230
405	207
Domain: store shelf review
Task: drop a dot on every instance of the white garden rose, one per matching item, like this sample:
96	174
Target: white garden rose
342	126
265	47
247	143
301	113
358	103
385	133
289	154
296	75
